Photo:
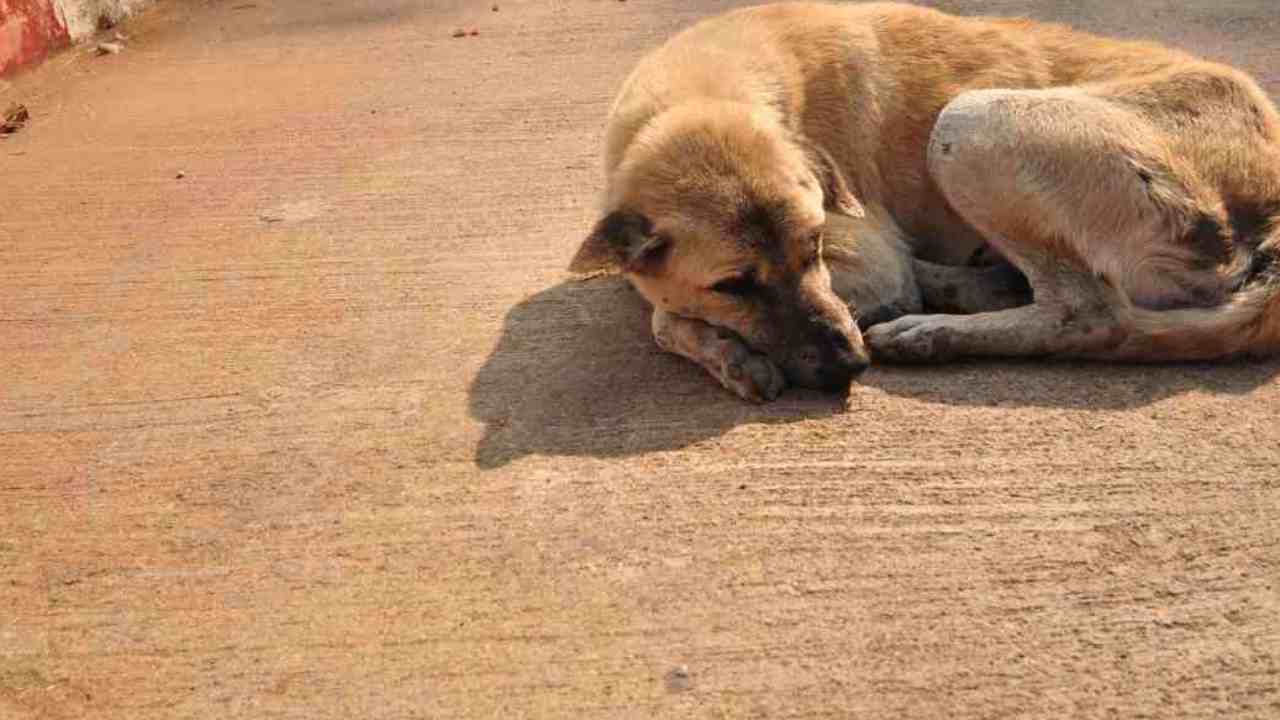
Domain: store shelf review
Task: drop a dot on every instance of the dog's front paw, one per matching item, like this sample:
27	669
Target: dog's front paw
911	339
750	376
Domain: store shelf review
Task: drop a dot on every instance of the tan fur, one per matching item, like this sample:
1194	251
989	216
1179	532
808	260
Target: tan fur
1135	186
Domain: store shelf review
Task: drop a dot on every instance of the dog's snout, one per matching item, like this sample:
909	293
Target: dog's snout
830	361
844	368
837	340
854	363
809	357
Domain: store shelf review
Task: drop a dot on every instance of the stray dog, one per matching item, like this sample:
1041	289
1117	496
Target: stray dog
768	166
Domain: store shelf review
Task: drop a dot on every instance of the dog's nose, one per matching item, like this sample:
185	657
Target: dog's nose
844	367
829	368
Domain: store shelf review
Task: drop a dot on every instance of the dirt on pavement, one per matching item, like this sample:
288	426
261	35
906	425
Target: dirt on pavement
301	417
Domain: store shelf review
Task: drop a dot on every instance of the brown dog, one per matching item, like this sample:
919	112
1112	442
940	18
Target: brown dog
1135	187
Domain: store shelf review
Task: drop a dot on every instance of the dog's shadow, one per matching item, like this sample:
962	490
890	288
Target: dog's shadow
576	373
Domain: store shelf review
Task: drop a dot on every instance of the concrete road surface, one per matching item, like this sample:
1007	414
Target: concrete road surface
299	418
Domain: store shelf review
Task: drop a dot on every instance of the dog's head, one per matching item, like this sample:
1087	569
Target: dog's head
717	214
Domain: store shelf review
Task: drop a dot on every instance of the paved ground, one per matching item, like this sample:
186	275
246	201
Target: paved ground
320	430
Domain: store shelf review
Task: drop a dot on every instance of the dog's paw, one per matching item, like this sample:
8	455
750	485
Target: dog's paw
911	339
750	376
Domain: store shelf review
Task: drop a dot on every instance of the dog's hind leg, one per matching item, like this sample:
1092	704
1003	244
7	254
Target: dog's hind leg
1060	183
721	353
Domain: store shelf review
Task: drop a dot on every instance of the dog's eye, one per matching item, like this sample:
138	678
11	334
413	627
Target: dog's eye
740	285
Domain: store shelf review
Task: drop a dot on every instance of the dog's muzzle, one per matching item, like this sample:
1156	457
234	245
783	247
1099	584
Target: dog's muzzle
830	361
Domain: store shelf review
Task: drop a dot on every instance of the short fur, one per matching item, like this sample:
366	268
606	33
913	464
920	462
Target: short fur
1136	188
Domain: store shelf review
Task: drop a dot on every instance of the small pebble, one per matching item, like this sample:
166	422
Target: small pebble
109	48
677	680
459	33
180	175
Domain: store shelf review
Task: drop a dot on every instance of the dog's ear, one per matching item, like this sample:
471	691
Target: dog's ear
620	241
835	189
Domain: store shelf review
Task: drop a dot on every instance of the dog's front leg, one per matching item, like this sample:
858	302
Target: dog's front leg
747	374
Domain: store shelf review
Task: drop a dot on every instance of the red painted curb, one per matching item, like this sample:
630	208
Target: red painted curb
29	31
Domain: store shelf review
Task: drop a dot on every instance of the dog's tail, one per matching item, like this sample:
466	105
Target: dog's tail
1246	325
